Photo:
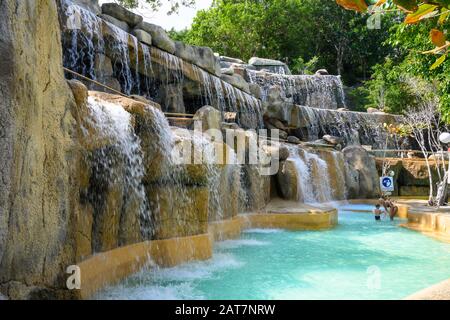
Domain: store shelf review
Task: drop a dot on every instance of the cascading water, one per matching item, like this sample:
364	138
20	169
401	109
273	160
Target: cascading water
89	40
314	182
324	92
319	177
227	98
172	66
148	71
117	46
113	125
85	38
305	192
353	127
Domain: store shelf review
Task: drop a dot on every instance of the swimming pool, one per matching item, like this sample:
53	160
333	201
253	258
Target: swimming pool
359	259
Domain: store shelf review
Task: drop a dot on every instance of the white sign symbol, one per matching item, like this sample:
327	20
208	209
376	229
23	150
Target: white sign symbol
387	184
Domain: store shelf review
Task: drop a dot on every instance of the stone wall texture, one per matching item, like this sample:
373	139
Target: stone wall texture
36	149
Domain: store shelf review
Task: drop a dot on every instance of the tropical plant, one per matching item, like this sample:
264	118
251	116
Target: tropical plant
416	11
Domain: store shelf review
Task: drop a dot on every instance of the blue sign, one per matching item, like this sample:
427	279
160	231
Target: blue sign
387	184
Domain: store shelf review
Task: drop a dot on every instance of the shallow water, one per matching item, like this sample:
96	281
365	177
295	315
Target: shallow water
359	259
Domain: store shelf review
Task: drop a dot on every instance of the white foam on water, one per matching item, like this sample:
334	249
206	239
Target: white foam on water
231	244
175	283
264	231
183	291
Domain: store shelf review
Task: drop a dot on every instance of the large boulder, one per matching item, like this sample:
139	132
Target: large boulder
91	5
293	140
288	180
201	56
257	187
364	169
231	60
209	118
117	11
116	22
278	105
39	154
143	36
322	72
227	71
237	81
333	140
137	105
160	38
273	66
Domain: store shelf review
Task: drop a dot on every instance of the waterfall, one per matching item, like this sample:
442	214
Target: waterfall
315	175
325	91
172	66
89	42
353	127
304	188
117	46
148	70
113	125
227	98
319	177
85	38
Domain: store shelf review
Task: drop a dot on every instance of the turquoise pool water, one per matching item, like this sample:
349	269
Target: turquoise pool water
359	259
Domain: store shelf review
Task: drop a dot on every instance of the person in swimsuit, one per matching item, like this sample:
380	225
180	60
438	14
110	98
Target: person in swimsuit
393	209
377	212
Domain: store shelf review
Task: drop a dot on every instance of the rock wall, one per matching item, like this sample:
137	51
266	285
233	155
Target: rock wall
57	204
38	152
411	175
362	178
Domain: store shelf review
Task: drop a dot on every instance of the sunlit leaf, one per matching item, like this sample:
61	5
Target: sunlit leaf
437	37
380	3
444	16
438	62
423	10
356	5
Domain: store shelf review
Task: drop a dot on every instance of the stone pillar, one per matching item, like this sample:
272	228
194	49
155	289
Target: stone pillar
38	194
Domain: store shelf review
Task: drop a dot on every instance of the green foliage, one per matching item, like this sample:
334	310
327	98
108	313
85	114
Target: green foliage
294	31
178	35
299	66
405	78
358	98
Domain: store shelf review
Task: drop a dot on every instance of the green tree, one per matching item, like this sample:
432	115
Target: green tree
293	31
406	77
